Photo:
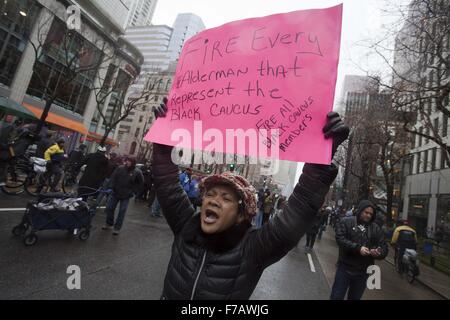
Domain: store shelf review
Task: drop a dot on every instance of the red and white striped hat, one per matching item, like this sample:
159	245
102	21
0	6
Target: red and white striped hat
245	191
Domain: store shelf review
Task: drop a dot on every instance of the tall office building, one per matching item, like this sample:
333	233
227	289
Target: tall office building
186	25
160	45
117	11
141	12
153	42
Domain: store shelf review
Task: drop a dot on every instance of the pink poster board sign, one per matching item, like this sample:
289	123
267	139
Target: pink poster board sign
260	74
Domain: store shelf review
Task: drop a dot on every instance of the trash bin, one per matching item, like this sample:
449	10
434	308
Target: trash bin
428	248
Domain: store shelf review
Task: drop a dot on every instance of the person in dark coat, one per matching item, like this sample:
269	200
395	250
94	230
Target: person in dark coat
113	163
126	182
148	181
6	130
75	162
43	144
94	174
360	242
312	232
324	213
217	254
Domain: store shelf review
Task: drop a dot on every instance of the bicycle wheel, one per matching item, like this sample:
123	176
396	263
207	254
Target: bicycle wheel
67	184
15	180
397	266
411	274
32	187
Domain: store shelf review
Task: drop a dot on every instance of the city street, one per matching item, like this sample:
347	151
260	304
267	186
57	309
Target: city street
133	264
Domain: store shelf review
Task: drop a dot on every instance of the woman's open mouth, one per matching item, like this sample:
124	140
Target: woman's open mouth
210	216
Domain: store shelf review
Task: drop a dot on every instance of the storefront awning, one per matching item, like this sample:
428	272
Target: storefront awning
92	136
58	120
11	107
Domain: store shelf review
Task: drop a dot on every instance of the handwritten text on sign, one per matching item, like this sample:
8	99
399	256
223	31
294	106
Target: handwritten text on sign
276	72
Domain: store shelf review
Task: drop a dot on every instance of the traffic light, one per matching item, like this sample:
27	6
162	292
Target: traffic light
231	167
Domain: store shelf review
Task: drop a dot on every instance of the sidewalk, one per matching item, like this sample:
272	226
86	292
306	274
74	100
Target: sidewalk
430	285
433	279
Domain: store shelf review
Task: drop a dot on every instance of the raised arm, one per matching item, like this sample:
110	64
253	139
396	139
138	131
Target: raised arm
276	238
174	202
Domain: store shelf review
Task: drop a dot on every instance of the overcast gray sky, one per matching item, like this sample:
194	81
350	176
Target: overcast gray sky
362	19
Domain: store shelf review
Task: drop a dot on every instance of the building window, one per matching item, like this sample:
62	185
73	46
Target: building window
443	162
115	106
436	126
141	118
443	216
51	72
444	125
418	213
433	159
420	136
425	161
14	32
136	134
133	147
418	163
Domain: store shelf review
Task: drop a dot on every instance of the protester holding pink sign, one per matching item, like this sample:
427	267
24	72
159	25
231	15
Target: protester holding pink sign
217	254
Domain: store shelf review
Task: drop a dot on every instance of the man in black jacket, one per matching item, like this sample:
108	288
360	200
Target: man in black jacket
126	181
217	254
360	241
94	174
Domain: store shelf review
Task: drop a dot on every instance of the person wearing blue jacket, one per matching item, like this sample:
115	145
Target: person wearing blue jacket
193	191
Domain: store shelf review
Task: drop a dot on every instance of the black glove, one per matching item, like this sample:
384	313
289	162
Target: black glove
336	129
161	110
161	149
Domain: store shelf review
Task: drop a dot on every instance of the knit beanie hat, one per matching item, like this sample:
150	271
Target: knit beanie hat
245	191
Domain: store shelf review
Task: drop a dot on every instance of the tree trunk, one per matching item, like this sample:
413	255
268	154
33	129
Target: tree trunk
105	136
389	200
48	105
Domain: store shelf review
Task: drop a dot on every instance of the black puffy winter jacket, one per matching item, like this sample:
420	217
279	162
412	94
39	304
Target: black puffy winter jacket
229	265
351	235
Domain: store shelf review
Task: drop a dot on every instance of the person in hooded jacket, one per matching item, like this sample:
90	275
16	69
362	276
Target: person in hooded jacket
217	254
126	182
360	242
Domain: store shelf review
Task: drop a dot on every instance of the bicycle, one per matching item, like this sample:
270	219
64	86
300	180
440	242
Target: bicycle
17	173
409	265
39	181
72	175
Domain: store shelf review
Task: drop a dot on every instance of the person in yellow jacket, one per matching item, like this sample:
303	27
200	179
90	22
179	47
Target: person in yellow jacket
404	237
54	156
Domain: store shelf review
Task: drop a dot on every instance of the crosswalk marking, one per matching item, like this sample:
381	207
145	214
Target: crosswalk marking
311	263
